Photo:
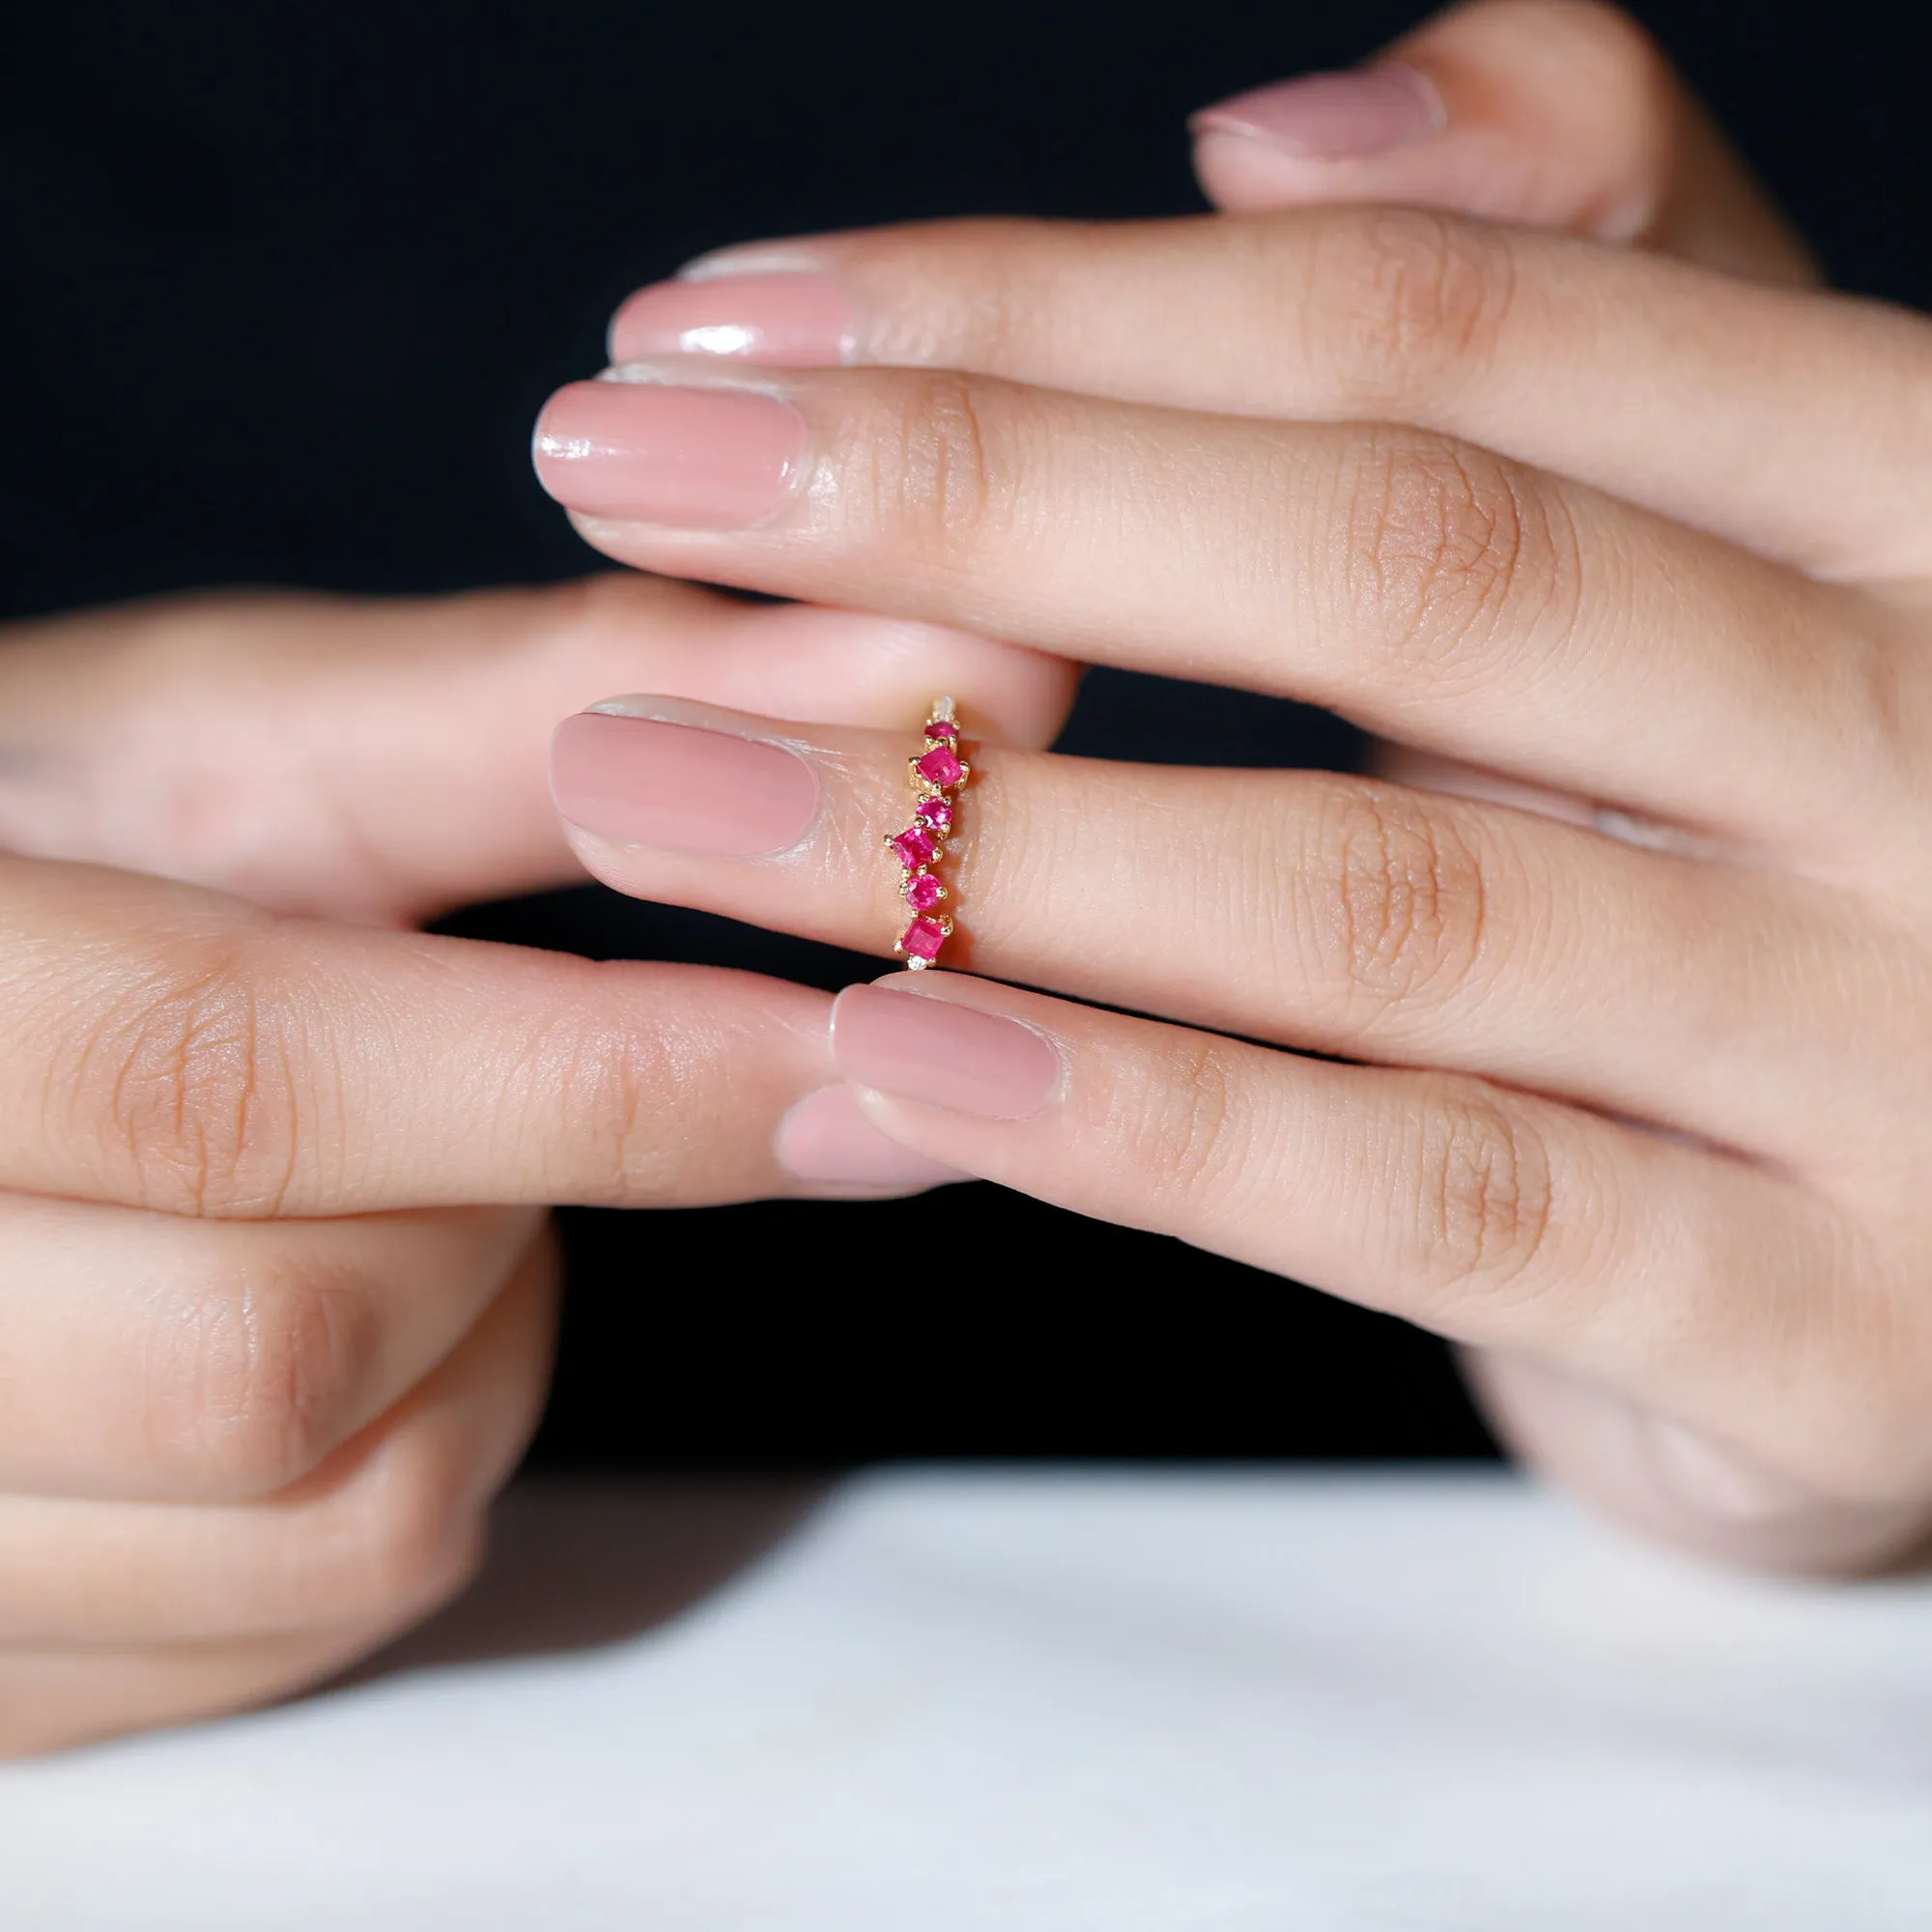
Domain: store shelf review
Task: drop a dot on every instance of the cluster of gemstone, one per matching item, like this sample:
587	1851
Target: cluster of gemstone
936	772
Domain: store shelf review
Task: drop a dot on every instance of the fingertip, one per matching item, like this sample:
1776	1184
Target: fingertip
1554	112
826	1141
1332	117
1242	175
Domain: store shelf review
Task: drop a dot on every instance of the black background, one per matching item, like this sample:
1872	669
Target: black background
282	288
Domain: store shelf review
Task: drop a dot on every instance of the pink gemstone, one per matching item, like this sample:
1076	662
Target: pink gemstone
924	893
935	811
922	939
942	728
915	846
939	767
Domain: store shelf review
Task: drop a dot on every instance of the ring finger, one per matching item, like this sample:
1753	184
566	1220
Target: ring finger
1302	908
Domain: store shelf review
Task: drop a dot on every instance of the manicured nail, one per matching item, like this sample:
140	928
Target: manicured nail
825	1138
1332	117
651	453
798	321
680	787
942	1054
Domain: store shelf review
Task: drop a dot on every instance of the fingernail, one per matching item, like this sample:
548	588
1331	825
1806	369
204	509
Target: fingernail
1332	117
792	321
649	452
942	1054
680	787
824	1138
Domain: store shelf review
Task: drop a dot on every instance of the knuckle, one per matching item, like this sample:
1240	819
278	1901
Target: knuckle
186	1078
1409	305
258	1378
1454	556
632	1101
1400	908
1192	1138
1482	1192
940	468
415	1536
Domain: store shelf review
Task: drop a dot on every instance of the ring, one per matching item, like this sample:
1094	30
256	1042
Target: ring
937	771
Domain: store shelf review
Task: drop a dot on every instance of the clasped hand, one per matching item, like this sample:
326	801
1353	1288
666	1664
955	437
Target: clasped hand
1622	964
1621	968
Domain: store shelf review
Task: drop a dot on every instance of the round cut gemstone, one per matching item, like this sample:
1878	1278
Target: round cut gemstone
914	847
942	728
935	811
922	939
923	892
940	767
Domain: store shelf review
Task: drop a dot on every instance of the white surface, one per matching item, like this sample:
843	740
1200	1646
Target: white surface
1066	1703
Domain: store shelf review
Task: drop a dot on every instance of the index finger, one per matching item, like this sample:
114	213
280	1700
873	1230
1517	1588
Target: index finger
172	1049
1696	395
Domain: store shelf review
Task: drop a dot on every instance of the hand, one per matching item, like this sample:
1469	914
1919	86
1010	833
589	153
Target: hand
1643	1107
278	1288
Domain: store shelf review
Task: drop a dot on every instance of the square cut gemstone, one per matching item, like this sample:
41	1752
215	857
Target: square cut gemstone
914	847
922	939
939	767
935	811
923	892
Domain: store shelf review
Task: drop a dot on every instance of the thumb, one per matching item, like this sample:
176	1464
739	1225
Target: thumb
382	760
1553	113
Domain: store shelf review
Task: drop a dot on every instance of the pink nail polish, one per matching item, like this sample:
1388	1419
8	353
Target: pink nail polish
1332	117
942	1054
650	453
825	1138
679	787
789	321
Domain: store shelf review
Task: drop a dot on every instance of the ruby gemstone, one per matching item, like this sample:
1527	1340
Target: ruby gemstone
914	847
923	892
942	728
922	939
939	767
935	811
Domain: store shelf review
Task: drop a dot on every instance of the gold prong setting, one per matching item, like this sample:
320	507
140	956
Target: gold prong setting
937	774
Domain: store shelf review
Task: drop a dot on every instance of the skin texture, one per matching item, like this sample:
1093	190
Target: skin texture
263	1369
278	1285
1614	531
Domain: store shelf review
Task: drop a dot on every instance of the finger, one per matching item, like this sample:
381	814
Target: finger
56	1698
1418	586
1620	370
1492	1217
1304	908
375	1536
216	1360
169	1049
1669	1481
1555	113
382	760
